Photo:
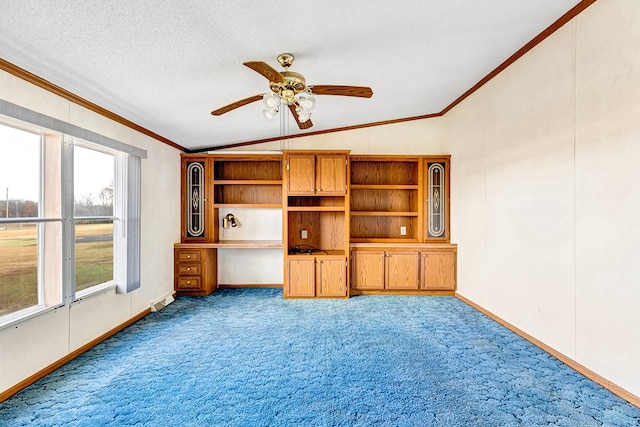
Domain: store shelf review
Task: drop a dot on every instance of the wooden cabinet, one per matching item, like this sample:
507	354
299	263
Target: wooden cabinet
378	270
403	268
385	216
316	276
195	270
316	220
438	270
318	174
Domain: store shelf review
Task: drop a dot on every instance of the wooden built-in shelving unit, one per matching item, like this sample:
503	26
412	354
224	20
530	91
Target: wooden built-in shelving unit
361	224
316	217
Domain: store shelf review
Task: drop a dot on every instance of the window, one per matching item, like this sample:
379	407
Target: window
93	212
30	222
70	215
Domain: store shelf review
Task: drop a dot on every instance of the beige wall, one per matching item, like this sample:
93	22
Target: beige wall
415	137
544	191
32	345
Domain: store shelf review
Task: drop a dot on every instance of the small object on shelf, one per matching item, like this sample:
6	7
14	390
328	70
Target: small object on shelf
229	220
305	249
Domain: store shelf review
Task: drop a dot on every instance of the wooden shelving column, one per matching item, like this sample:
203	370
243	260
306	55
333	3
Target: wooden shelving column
211	182
316	217
393	248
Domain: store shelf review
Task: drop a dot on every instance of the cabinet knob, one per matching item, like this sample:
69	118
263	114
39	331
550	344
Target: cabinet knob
189	269
188	256
188	282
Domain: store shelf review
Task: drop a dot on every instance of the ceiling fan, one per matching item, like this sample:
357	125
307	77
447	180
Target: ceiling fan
290	89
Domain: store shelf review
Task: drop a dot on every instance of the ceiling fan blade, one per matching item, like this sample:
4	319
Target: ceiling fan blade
236	104
361	91
266	70
301	125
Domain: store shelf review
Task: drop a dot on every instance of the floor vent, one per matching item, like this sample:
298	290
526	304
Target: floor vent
162	303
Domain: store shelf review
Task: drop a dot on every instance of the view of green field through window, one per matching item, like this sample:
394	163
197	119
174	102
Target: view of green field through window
22	219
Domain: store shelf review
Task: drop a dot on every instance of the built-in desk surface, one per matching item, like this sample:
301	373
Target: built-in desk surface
249	244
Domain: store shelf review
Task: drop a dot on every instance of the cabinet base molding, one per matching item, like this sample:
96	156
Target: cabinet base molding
405	293
612	387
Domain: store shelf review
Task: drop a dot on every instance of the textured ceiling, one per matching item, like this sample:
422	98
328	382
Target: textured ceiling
166	64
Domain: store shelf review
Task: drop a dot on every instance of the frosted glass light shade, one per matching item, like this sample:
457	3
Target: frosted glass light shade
270	113
270	101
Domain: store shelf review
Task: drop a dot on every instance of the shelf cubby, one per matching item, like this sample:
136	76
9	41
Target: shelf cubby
385	172
379	228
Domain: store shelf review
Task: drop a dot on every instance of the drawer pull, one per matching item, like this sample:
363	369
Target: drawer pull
188	256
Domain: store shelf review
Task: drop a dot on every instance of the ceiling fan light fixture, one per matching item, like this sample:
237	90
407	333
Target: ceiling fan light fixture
307	102
304	115
270	113
271	101
288	95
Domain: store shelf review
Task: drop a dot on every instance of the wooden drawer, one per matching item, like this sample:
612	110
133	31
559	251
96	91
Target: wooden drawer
185	268
188	255
188	282
195	270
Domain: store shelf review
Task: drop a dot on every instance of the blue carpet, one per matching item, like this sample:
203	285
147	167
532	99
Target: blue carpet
250	358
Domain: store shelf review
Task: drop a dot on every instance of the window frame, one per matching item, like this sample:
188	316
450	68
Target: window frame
116	215
125	214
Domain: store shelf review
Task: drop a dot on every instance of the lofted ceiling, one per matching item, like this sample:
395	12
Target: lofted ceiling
166	64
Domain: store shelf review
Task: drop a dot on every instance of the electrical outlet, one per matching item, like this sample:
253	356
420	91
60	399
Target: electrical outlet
540	310
403	231
226	232
304	234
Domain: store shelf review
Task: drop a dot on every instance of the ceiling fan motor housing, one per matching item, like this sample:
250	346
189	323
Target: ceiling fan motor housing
294	83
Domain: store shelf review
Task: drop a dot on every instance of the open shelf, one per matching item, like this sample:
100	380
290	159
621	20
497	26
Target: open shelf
383	227
248	205
384	200
384	187
247	195
384	172
247	170
247	182
380	213
315	203
324	229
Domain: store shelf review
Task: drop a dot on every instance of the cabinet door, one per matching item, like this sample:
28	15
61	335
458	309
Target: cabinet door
402	270
197	219
439	271
367	270
436	200
331	174
301	173
301	278
331	277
